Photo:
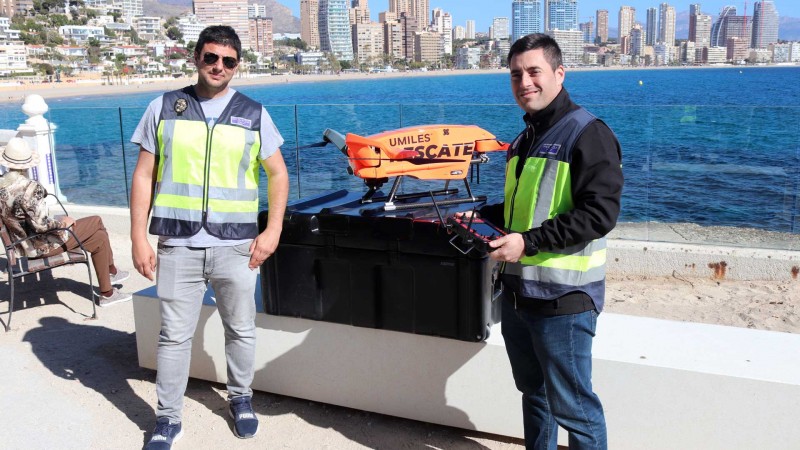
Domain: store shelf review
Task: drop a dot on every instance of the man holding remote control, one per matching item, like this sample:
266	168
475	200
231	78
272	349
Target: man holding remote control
562	196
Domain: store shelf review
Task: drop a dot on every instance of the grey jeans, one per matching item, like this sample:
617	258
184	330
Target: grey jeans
183	274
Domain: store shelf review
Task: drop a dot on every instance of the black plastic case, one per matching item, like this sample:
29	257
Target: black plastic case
346	262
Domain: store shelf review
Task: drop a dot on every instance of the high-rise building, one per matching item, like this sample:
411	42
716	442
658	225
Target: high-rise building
409	27
694	11
627	18
427	46
442	23
256	10
470	29
400	6
334	29
526	18
359	12
602	25
309	22
587	30
261	35
701	33
421	10
459	32
225	12
562	15
368	42
651	27
393	39
500	28
719	28
571	43
666	24
387	16
765	24
637	41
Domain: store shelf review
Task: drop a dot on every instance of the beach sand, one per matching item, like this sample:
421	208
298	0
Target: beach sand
96	86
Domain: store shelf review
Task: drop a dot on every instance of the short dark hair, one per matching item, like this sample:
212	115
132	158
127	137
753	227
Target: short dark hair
552	52
221	35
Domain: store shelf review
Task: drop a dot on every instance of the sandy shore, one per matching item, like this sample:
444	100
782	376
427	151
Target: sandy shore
81	88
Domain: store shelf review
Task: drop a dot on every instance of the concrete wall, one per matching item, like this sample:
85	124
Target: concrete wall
664	384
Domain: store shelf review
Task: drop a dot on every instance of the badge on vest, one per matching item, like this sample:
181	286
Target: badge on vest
548	150
241	121
181	105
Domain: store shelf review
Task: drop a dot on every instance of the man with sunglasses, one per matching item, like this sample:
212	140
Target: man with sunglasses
200	150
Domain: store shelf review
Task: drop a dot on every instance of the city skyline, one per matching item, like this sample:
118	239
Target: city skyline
484	12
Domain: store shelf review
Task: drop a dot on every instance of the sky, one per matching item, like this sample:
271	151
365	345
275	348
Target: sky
482	11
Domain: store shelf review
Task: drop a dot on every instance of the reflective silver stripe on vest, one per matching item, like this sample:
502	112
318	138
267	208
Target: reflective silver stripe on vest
168	134
218	193
544	199
244	164
182	189
231	217
188	215
536	274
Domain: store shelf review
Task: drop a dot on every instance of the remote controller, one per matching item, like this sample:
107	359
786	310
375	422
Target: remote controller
475	232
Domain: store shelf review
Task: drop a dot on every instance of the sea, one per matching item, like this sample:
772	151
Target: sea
710	146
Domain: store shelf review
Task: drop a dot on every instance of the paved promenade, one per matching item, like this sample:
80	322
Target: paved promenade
74	383
71	382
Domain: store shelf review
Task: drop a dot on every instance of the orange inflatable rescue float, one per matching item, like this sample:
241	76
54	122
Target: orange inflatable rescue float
425	152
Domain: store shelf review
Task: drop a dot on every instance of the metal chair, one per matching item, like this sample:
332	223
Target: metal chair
19	266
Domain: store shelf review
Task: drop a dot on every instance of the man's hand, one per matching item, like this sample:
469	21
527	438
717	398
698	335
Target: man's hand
144	259
263	247
509	248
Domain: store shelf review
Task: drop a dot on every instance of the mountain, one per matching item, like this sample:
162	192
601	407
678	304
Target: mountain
282	19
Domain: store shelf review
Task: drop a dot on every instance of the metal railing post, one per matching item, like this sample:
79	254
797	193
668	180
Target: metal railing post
124	160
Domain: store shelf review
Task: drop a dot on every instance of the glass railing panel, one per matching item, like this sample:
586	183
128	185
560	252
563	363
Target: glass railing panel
700	174
89	155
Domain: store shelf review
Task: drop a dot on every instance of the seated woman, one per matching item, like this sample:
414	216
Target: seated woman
24	211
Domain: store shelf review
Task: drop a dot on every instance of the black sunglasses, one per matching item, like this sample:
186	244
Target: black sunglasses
228	61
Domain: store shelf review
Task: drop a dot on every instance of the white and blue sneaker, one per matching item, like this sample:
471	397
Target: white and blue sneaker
165	434
245	422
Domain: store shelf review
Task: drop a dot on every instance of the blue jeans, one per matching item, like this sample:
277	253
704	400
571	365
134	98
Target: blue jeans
551	359
183	274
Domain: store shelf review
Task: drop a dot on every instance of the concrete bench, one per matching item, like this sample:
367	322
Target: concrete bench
664	384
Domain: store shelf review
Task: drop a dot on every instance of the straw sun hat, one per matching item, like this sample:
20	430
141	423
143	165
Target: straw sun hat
17	154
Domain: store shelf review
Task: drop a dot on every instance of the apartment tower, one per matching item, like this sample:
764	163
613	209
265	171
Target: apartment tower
334	29
765	24
526	18
224	12
602	25
666	24
470	29
651	27
627	18
442	23
562	15
309	22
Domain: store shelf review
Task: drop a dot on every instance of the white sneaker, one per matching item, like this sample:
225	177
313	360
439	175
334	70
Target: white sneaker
116	297
120	276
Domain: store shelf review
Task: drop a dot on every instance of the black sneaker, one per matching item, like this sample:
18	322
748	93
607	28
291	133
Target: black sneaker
164	435
245	422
